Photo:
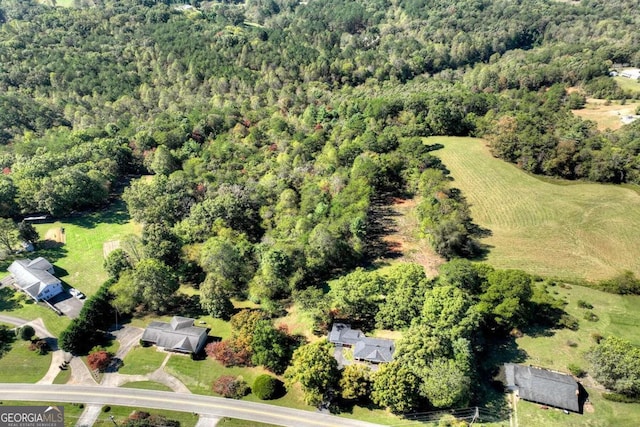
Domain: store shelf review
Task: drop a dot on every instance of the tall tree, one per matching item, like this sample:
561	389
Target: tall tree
8	233
315	368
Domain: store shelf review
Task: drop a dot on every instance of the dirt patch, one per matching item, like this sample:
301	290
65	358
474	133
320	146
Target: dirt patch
54	237
588	408
109	247
404	240
606	116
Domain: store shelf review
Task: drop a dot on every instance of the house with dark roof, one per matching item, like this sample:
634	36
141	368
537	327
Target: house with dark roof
35	278
374	350
543	386
179	335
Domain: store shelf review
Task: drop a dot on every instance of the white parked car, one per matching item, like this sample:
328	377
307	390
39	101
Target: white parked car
76	293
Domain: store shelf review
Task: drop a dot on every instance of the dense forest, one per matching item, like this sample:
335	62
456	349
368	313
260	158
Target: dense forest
256	141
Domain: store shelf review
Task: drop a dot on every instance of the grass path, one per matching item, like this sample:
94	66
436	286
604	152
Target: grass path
559	229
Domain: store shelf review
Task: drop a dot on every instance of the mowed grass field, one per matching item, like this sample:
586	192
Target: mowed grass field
560	229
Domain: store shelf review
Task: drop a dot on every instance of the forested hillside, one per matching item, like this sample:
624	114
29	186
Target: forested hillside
254	141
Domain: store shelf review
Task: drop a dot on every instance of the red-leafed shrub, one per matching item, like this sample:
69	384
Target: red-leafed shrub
228	353
232	387
99	360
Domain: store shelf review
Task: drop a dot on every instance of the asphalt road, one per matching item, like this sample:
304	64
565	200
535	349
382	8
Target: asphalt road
205	405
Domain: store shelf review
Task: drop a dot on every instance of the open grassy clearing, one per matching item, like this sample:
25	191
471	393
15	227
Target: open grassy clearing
79	260
142	360
628	85
578	231
607	116
557	349
20	365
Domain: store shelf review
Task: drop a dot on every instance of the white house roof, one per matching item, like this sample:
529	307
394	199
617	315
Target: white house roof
33	276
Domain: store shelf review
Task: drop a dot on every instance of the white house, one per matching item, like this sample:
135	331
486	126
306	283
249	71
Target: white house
35	278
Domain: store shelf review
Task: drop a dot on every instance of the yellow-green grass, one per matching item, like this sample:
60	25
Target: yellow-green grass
20	365
147	385
607	115
121	413
579	231
142	360
79	261
72	412
63	376
234	422
628	85
617	315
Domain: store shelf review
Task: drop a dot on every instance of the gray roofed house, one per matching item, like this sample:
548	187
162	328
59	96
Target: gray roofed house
179	335
543	386
35	278
375	350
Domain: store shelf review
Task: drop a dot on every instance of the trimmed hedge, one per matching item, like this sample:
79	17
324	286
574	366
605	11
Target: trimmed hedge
266	387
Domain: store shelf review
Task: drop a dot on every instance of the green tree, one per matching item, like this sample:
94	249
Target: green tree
505	300
406	286
615	363
7	337
116	262
446	385
395	387
8	233
315	368
214	298
156	284
271	347
266	387
357	295
448	310
355	382
27	232
27	332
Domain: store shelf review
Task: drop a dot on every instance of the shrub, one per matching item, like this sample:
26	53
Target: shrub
228	353
99	360
591	316
27	332
231	387
569	322
106	408
576	370
39	345
584	304
572	344
597	337
623	284
266	387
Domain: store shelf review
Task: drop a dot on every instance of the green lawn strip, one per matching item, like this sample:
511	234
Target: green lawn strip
20	365
580	231
63	376
142	360
72	412
234	422
121	413
79	261
147	385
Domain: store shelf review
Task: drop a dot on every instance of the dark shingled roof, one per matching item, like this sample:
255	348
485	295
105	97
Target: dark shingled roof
543	386
375	350
177	335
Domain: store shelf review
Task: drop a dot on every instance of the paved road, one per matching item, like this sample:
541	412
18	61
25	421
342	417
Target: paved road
204	405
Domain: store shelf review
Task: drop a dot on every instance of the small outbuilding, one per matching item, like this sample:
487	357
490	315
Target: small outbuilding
543	386
35	278
179	335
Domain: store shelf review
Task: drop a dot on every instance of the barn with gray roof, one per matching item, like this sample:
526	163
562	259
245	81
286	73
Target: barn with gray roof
543	386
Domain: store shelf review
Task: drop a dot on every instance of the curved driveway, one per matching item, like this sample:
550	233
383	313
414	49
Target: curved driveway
205	405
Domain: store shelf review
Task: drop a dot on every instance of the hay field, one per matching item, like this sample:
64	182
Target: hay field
606	116
559	229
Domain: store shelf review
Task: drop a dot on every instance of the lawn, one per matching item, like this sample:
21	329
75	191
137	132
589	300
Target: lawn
563	229
20	365
78	261
16	304
557	349
147	385
142	360
628	85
